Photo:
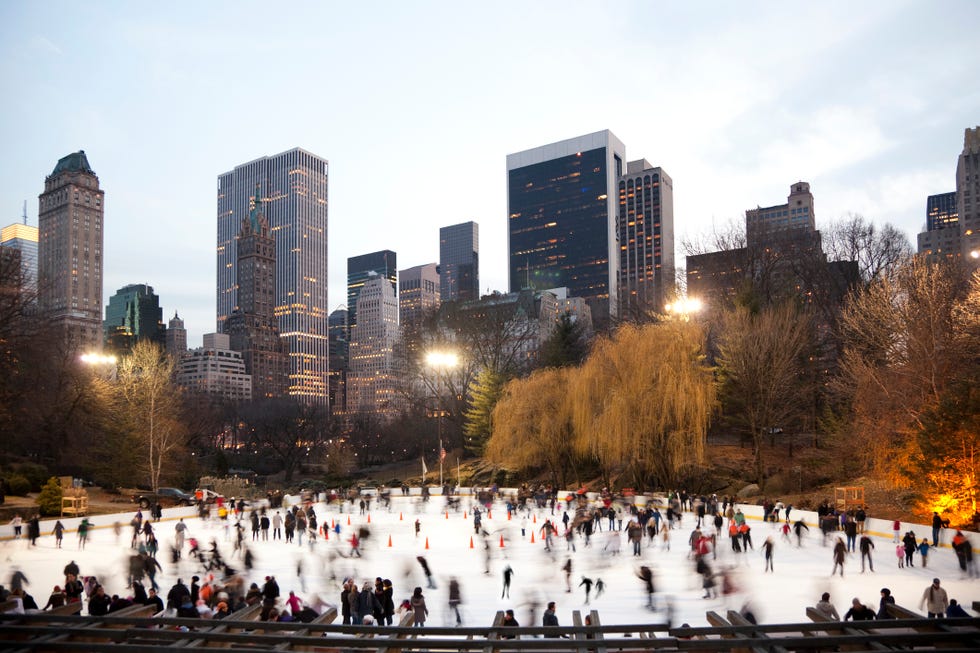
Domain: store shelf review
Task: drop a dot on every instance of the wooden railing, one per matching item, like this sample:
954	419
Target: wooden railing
132	631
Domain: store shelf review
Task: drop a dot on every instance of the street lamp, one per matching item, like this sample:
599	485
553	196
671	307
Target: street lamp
441	361
684	307
104	363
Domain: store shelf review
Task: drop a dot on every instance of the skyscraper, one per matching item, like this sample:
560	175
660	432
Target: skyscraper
133	314
294	187
646	238
968	195
339	356
418	292
252	326
459	262
23	238
562	204
363	267
371	382
941	239
176	337
70	240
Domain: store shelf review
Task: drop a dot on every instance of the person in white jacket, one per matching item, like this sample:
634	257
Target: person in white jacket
935	600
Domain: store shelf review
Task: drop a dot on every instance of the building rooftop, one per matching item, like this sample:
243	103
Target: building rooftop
74	162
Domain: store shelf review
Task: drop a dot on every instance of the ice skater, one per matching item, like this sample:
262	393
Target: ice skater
508	574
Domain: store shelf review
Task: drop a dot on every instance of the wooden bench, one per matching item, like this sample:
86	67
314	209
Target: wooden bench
328	617
927	626
67	609
817	617
407	620
716	620
494	634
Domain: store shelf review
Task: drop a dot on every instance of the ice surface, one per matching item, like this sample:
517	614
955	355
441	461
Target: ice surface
801	574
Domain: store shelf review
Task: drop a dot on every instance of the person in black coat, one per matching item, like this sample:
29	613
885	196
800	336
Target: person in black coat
859	612
175	597
886	598
98	604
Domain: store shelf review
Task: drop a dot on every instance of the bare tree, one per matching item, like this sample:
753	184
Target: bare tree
900	353
150	402
761	364
879	251
291	433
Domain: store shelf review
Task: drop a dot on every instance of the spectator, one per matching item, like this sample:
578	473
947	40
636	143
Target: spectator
935	600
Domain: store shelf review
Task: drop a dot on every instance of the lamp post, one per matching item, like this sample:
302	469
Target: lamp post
684	307
104	363
443	362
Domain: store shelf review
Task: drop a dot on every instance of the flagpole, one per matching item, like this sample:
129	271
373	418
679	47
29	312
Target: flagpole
440	460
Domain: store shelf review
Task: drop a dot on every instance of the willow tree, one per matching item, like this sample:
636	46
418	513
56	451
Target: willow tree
149	405
642	402
532	425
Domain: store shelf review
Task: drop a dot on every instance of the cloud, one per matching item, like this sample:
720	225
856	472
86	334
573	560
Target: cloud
44	44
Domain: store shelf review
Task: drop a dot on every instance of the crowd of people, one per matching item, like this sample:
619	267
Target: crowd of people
219	582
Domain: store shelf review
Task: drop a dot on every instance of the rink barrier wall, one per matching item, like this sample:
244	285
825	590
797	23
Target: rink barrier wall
879	528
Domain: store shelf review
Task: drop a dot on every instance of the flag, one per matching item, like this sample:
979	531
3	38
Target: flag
425	470
442	455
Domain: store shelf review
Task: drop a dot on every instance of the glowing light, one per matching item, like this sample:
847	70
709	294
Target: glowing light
442	359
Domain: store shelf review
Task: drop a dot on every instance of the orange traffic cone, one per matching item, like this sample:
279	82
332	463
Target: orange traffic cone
535	519
389	541
427	543
471	541
532	537
348	520
501	541
331	524
489	514
447	514
369	518
464	514
400	518
508	515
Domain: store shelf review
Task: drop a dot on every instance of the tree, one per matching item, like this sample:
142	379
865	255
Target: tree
643	402
287	432
484	395
149	402
566	345
761	361
901	351
879	252
532	425
49	500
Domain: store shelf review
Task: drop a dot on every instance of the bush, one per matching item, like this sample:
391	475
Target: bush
49	501
18	485
35	474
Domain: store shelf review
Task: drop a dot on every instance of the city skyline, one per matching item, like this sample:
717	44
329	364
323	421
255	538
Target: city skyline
735	102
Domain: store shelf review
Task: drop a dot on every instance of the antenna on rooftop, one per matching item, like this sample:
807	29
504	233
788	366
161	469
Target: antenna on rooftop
25	211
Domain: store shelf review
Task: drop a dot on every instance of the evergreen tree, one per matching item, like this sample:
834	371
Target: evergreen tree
566	345
485	391
49	500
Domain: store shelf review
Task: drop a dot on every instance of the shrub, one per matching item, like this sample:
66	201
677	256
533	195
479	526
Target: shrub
49	501
35	474
18	485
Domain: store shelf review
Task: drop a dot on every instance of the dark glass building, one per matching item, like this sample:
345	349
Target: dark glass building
459	262
941	211
360	268
133	314
562	205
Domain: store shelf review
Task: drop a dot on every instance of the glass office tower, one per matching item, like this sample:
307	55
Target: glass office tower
293	188
562	204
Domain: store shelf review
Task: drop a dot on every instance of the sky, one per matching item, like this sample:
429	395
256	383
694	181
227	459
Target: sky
416	106
800	575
